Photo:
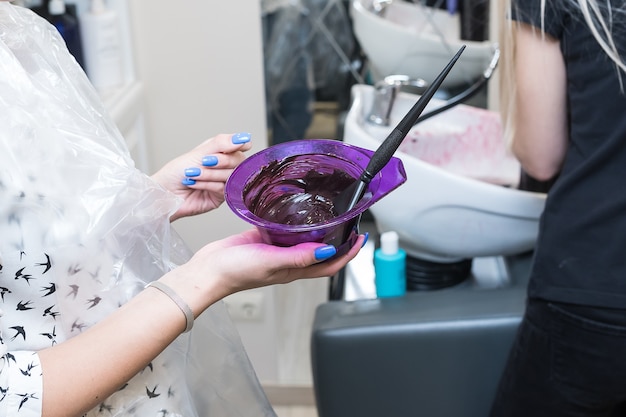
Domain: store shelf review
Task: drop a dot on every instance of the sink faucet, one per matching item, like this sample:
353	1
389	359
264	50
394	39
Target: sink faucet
385	92
379	6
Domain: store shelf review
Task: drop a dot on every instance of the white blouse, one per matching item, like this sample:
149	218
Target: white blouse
41	310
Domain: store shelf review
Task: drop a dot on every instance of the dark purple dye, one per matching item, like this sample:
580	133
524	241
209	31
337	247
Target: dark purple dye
298	190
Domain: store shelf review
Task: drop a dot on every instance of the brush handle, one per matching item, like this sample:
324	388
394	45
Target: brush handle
385	151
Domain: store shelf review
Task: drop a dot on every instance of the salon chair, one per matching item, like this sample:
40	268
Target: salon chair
429	353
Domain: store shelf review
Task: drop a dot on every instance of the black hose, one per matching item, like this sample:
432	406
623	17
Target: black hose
459	98
467	93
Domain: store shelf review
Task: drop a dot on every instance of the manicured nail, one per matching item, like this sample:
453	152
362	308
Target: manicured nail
189	181
325	252
239	138
192	172
367	236
209	161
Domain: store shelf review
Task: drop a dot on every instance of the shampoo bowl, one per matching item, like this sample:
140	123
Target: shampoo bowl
460	199
417	41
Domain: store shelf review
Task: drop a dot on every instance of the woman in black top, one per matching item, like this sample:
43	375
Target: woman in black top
564	108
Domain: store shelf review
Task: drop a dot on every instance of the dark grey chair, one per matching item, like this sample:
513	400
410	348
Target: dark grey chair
432	353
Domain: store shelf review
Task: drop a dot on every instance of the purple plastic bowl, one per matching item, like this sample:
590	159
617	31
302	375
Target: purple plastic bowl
323	157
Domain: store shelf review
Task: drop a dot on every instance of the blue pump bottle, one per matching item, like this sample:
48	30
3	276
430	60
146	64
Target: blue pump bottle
390	267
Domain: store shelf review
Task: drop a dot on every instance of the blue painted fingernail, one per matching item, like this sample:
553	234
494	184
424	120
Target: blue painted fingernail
209	161
192	172
239	138
325	252
367	236
189	181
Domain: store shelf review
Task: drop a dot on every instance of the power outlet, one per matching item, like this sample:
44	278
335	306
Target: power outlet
246	305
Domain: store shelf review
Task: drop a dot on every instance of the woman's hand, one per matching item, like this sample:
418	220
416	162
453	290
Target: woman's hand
242	262
199	176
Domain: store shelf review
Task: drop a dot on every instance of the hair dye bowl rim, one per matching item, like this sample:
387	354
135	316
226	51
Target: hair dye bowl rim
351	159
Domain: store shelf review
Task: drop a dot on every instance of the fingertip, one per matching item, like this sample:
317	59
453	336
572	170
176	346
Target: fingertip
365	239
325	252
192	172
209	161
241	138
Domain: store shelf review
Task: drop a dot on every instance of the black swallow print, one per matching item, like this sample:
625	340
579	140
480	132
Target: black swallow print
105	407
19	331
52	336
3	291
74	290
152	393
77	326
48	312
51	289
13	218
26	397
47	264
19	274
94	275
92	302
74	269
10	357
28	369
24	306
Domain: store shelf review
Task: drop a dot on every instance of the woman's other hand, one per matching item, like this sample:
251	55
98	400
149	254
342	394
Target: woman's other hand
199	176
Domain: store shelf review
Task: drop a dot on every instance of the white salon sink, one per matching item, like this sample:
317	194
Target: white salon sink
418	41
460	199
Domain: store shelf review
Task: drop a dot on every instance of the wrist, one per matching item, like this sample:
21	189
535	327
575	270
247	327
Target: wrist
194	288
176	299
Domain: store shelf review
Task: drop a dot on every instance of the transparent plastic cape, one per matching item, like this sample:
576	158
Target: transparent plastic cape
69	189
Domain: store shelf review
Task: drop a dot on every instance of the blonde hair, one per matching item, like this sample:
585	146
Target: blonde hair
600	26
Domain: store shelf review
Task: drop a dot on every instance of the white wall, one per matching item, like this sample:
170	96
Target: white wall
201	66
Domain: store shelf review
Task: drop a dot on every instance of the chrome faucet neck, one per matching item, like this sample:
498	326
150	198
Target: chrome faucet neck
385	93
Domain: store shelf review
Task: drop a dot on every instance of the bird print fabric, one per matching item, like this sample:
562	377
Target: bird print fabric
53	287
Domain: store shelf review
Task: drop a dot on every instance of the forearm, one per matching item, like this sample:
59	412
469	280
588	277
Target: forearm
540	139
81	372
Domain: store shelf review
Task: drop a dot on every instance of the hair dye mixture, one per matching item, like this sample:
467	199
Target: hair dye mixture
298	190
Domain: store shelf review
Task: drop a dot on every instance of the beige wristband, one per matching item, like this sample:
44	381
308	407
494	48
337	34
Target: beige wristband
177	300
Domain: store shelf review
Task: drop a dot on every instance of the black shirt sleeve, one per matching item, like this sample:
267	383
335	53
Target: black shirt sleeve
550	20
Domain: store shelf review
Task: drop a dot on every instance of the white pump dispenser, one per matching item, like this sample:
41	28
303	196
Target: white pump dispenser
390	266
56	7
102	46
389	243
